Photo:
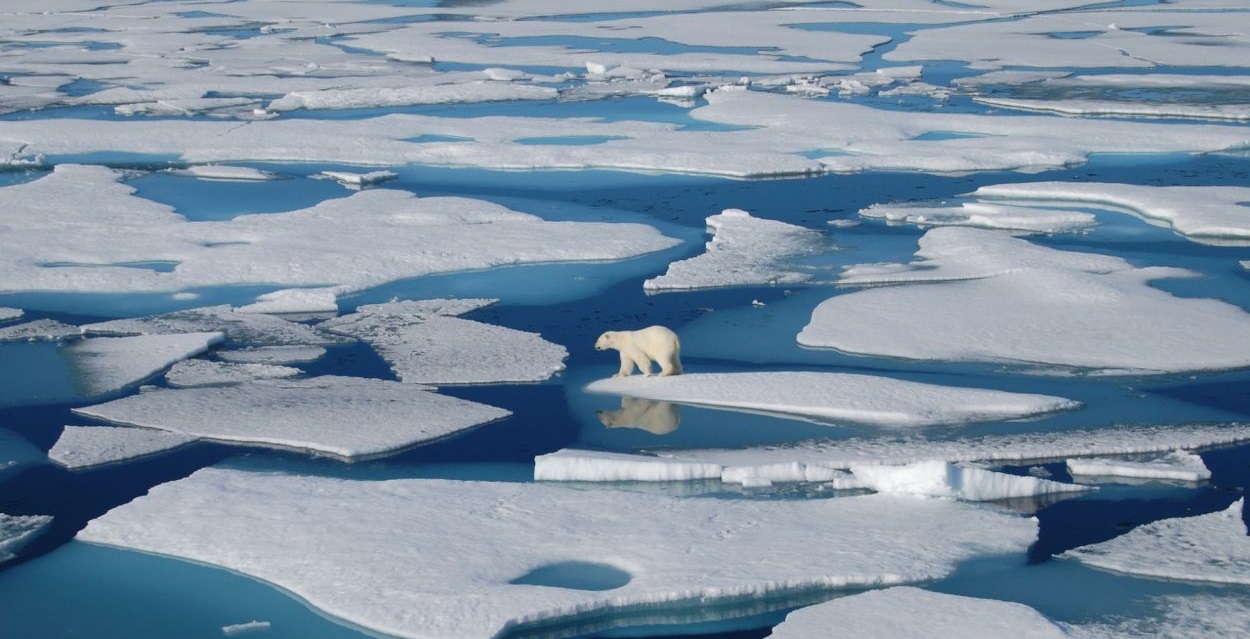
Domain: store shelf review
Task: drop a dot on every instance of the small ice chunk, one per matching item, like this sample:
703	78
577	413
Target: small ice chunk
18	530
1209	548
864	399
1177	465
238	629
294	300
107	364
81	447
945	480
744	250
225	172
7	313
685	91
40	330
906	611
586	465
274	354
359	180
985	215
246	328
346	417
425	345
202	372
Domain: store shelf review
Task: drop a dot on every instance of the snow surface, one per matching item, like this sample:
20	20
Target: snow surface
1211	548
347	417
40	330
107	364
905	611
81	447
369	238
1177	465
202	372
7	314
17	531
837	397
977	295
239	327
294	300
1154	109
359	180
744	250
317	538
945	480
224	172
426	344
984	215
273	354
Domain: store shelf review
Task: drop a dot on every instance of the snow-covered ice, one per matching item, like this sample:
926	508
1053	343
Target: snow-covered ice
744	250
253	329
294	301
7	314
347	417
837	397
1211	548
945	480
81	447
273	354
425	343
318	538
18	530
354	180
1178	465
1205	614
40	330
224	172
203	372
107	364
239	629
587	465
906	611
978	295
984	215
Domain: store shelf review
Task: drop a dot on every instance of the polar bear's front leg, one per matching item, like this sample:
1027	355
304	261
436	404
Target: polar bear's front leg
627	365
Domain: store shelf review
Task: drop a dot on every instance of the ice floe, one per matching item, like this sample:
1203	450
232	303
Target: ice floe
40	330
7	314
944	480
1177	465
273	354
240	629
425	343
369	238
1201	213
1216	616
107	364
81	447
318	538
346	417
743	250
239	327
294	301
1212	548
202	372
906	611
837	397
359	180
18	530
978	295
224	172
1123	109
984	215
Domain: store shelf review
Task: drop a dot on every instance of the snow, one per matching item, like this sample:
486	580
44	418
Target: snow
1201	213
107	364
1177	465
294	300
1216	616
596	466
239	327
7	314
359	180
223	172
40	330
370	238
744	250
273	354
347	417
977	295
945	480
81	447
837	397
373	97
425	343
202	372
906	611
984	215
250	627
317	538
18	530
1206	548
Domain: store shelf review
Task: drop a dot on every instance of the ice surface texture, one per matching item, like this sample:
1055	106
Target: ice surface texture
446	571
1177	465
17	531
107	364
81	447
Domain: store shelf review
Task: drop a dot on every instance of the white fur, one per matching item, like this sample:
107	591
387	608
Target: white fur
641	347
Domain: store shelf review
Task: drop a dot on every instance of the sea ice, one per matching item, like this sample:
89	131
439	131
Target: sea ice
318	538
17	530
1123	109
238	629
977	295
40	330
346	417
7	314
905	611
359	180
294	301
425	93
595	466
273	354
838	397
107	364
426	344
81	447
944	480
202	372
224	172
1210	548
984	215
1177	465
253	329
744	250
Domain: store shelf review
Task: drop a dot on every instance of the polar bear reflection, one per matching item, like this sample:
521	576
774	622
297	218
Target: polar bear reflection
641	347
660	418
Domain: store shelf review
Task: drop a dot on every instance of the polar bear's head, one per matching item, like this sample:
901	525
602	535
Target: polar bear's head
606	341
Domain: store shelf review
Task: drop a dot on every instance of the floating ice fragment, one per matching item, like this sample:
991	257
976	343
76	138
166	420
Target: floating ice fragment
863	399
107	364
40	330
202	372
81	447
294	301
239	327
317	537
18	530
7	314
1211	548
984	215
906	611
224	172
744	250
1177	465
359	180
595	466
945	480
250	627
346	417
273	354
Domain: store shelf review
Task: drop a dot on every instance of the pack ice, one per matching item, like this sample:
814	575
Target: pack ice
107	364
318	538
82	447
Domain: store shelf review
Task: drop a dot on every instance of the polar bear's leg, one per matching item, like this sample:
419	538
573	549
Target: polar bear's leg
642	361
627	365
670	365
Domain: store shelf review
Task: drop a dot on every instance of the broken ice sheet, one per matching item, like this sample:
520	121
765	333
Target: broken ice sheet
1210	548
7	314
273	354
977	295
1177	465
106	364
317	538
347	417
40	330
82	447
425	343
202	372
18	530
253	329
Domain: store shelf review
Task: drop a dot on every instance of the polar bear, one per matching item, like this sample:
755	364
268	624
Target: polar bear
658	417
641	347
